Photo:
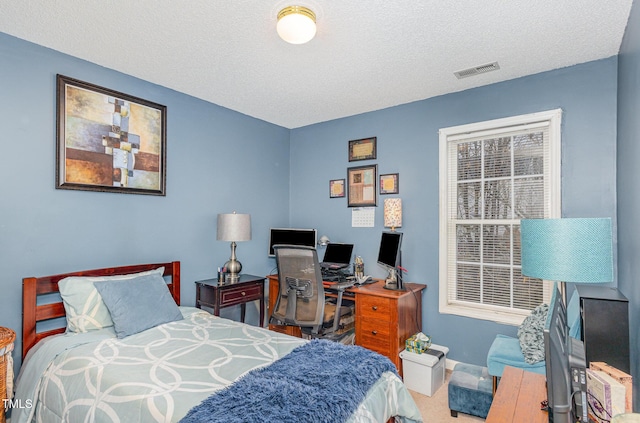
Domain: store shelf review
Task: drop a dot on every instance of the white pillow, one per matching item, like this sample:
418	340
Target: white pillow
83	304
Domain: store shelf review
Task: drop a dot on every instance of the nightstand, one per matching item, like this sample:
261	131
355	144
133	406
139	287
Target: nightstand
217	295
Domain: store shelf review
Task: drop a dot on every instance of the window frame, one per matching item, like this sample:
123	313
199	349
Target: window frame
553	185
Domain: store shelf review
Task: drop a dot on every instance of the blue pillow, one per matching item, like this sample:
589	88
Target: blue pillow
138	304
531	334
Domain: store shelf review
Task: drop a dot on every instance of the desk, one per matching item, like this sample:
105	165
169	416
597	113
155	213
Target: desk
384	318
518	398
217	295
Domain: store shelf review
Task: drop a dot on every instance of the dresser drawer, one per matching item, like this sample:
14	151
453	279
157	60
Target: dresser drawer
372	307
374	334
240	294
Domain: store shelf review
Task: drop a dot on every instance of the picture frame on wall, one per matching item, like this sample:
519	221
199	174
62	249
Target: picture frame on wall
337	188
362	149
109	141
389	183
361	185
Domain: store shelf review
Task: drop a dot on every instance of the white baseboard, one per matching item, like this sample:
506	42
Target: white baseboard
450	364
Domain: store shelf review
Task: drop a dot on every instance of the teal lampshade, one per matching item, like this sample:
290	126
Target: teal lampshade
568	250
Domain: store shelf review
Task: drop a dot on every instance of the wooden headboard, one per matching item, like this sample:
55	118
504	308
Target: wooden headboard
32	288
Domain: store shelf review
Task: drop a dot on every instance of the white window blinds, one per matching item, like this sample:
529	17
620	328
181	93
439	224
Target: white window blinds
492	175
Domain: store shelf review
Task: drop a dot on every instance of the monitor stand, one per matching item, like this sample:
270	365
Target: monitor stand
394	281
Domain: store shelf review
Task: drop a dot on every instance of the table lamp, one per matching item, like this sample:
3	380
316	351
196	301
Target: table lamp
567	250
234	227
393	213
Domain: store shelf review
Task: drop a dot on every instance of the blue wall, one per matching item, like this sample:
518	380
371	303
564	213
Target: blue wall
218	161
407	143
628	177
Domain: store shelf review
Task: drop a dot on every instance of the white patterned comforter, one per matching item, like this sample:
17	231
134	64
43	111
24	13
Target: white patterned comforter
158	375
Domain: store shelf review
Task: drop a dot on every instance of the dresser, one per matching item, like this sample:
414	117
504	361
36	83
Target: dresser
384	318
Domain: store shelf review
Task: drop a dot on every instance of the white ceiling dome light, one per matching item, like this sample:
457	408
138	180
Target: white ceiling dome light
296	24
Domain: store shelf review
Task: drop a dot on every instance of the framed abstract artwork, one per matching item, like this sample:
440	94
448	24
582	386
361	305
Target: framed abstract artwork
109	141
362	186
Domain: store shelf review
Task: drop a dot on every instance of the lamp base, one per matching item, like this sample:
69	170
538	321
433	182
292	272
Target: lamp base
231	277
233	266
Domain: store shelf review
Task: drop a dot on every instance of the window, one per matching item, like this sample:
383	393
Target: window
492	174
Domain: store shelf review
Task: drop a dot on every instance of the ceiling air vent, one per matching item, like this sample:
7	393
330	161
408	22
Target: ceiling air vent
477	70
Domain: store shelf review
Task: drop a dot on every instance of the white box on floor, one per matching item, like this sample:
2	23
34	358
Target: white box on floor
424	373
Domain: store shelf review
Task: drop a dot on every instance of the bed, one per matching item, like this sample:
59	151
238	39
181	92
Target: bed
147	359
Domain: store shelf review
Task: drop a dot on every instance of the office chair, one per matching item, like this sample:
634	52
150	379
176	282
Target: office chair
301	298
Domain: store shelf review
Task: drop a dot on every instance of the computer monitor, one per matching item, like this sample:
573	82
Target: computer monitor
337	255
389	255
565	367
291	236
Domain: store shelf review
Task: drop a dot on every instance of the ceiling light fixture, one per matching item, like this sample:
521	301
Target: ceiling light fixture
296	24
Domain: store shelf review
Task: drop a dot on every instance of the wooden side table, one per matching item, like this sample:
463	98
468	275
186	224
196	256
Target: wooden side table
518	398
217	295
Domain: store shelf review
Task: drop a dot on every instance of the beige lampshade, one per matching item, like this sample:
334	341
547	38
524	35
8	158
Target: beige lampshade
234	227
393	213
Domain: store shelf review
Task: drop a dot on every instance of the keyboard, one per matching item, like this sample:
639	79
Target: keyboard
335	276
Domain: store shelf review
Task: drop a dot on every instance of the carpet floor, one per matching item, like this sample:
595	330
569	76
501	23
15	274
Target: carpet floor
436	408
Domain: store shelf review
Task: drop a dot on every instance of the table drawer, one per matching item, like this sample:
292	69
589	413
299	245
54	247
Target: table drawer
374	307
240	294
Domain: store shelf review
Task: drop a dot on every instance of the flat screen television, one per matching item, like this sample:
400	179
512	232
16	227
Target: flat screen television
291	236
390	256
565	367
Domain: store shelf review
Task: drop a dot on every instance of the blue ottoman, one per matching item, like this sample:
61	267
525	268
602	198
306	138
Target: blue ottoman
470	390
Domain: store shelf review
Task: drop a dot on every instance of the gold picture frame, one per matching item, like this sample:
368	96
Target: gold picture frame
362	149
361	183
109	141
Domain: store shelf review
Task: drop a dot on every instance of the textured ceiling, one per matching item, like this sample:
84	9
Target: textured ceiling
367	55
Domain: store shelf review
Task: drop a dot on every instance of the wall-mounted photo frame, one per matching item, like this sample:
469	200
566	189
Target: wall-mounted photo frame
361	186
363	149
109	141
336	188
389	183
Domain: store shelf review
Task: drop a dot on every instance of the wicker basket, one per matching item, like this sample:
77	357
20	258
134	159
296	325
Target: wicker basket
7	336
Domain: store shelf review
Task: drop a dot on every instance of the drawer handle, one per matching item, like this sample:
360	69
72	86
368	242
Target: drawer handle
375	332
374	308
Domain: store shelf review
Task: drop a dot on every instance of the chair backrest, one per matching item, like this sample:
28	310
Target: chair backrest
301	295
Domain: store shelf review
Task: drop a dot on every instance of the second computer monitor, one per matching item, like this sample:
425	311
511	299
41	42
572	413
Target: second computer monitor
389	252
337	255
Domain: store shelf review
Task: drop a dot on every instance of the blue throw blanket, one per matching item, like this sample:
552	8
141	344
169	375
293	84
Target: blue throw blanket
320	381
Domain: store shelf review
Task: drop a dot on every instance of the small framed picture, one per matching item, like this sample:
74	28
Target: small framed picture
336	188
363	149
389	183
362	186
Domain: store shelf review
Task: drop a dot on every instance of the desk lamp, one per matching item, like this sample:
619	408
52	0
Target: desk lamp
323	241
567	250
393	213
234	227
